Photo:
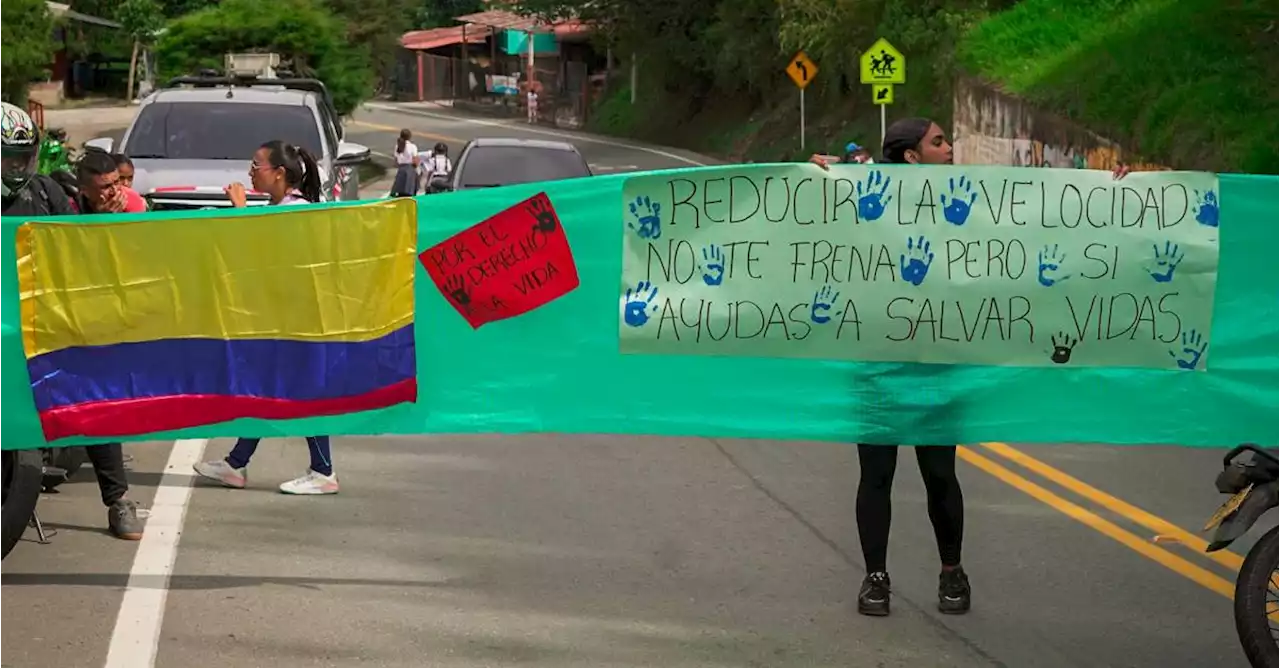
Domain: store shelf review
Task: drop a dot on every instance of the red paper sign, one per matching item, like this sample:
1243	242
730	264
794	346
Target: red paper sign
512	263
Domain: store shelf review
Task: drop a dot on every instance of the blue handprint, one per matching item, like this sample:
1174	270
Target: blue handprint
1050	263
636	311
1193	347
914	264
712	265
1207	209
822	301
649	214
1164	264
957	212
871	204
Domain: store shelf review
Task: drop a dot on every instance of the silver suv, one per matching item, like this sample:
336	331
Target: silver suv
197	134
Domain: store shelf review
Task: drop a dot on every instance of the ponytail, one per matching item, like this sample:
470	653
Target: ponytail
405	136
310	185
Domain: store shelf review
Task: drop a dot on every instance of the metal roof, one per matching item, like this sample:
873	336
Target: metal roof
422	40
504	20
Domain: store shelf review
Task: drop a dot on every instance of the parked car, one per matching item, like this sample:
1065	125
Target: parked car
489	162
197	134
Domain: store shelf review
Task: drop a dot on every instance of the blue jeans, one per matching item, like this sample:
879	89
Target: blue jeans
321	458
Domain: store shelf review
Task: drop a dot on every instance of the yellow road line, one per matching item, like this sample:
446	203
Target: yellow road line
1169	560
389	128
1118	506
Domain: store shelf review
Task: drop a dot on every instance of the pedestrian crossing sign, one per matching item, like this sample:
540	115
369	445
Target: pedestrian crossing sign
883	64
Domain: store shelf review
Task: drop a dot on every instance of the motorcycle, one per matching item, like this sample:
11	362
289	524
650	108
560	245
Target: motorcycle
57	160
1251	476
23	481
27	473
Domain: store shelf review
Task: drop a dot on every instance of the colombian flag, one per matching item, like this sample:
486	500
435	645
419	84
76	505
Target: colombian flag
158	324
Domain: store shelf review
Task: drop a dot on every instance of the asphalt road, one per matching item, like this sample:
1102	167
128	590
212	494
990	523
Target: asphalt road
601	551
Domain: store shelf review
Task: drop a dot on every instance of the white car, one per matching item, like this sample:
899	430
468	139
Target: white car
198	134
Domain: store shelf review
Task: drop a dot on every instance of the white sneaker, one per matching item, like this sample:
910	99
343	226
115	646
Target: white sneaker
311	483
222	472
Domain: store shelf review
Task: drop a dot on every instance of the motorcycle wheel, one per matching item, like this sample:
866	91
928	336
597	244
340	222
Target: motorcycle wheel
1255	598
22	483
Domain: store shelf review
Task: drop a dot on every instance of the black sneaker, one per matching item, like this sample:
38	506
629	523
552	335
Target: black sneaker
873	598
953	592
123	520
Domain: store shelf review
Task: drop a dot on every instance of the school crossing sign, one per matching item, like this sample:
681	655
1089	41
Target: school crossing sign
883	64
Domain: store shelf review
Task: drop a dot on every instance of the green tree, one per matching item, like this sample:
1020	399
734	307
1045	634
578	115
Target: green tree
376	25
141	19
175	8
307	36
26	46
441	13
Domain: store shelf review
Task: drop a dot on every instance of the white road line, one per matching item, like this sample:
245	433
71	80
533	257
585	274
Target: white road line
542	131
136	638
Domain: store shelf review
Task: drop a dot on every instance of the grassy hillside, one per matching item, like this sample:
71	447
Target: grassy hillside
1191	83
1188	83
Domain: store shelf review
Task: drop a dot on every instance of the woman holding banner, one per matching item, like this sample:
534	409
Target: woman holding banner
288	175
916	141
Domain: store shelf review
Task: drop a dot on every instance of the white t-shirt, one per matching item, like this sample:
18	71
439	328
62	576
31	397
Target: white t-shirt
293	197
406	156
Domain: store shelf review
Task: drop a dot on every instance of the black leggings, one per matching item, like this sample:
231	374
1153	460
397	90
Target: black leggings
108	465
946	503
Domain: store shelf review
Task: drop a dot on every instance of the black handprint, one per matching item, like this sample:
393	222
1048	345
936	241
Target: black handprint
1062	348
458	291
543	214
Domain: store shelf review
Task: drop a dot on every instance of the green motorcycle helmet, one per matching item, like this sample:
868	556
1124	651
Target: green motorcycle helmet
19	149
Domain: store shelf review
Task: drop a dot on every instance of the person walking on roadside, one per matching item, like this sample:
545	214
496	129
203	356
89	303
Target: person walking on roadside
32	195
407	159
916	141
531	103
288	175
436	169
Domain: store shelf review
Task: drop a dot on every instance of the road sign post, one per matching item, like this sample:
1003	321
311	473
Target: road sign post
801	70
882	66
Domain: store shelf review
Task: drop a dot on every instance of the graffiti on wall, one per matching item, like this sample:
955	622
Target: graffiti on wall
1035	153
993	128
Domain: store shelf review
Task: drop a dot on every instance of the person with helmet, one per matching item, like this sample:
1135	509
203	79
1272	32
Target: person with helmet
436	169
26	192
30	194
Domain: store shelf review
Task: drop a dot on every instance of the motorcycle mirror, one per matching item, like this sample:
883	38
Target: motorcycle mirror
104	144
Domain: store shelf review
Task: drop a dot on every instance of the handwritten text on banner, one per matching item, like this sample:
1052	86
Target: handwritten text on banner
956	265
509	264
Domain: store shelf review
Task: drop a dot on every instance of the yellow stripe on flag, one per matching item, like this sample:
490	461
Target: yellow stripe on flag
330	274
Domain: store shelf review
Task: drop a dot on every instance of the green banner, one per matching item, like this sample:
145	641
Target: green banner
900	264
558	368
